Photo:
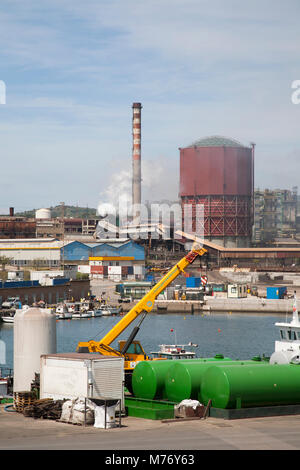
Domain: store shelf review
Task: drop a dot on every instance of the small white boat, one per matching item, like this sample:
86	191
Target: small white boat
86	314
174	351
288	348
96	313
8	318
107	310
79	315
62	312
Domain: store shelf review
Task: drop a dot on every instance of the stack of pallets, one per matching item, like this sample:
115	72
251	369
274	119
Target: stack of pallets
23	399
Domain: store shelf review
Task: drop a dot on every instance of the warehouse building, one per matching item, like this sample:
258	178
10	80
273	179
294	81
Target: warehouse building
113	259
113	255
25	252
32	292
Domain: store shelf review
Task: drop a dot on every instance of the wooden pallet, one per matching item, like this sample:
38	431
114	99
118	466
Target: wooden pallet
23	399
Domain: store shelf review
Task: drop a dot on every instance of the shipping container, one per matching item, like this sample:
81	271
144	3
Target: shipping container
276	292
193	281
97	270
57	281
114	269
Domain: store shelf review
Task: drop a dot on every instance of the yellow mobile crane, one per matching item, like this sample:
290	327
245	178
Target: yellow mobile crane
132	350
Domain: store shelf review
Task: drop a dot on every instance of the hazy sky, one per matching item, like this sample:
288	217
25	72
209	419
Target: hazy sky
73	68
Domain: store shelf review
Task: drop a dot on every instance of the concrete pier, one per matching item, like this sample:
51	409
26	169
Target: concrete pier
221	305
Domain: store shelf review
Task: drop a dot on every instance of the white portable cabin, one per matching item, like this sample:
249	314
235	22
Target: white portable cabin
237	291
73	375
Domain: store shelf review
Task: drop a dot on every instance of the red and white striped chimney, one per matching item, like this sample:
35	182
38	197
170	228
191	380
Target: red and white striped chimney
136	158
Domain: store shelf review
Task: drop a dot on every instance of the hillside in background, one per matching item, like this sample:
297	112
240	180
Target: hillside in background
69	211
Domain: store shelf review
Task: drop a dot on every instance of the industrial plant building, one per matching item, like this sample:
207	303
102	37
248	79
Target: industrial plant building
43	225
275	215
12	226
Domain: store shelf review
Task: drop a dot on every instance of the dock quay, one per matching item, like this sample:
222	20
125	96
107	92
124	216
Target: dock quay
220	305
270	433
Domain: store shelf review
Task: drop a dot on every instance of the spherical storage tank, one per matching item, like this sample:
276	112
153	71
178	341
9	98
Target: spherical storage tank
217	174
43	214
34	335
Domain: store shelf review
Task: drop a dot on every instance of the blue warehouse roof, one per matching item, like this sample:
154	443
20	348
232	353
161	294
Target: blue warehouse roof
78	251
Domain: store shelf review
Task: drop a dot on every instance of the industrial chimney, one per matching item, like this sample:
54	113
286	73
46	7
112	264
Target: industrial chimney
136	159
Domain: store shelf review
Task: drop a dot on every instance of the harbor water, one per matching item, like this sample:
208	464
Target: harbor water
238	336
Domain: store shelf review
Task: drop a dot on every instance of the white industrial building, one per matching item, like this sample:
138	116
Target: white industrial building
43	252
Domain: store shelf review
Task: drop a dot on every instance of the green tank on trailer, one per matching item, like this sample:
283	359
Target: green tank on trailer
248	386
184	379
148	378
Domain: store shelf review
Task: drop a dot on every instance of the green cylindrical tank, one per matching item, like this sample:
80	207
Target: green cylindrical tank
248	386
183	379
148	378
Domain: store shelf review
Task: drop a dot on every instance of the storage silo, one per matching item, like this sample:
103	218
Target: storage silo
34	335
218	173
43	214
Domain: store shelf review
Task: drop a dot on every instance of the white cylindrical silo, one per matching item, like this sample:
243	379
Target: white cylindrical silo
34	335
43	214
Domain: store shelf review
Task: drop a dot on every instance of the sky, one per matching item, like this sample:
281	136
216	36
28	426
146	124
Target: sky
72	70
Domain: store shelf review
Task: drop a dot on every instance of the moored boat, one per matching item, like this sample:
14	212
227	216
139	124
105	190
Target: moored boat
8	318
174	351
287	350
107	310
62	312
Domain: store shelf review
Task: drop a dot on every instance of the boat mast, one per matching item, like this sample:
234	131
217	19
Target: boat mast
295	320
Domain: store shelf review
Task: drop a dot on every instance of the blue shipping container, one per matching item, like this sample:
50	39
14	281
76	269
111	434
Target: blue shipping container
193	281
58	281
276	292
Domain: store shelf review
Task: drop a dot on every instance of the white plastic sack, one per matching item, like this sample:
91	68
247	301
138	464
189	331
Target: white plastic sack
188	408
190	403
78	411
100	416
66	411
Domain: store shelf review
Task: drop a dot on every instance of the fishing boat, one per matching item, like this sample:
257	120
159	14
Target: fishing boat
82	314
174	351
62	312
107	310
96	313
8	317
288	348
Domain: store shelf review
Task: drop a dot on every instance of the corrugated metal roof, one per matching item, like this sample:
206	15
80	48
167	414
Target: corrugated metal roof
108	242
216	141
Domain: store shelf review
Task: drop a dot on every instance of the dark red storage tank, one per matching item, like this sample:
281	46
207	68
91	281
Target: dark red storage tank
217	172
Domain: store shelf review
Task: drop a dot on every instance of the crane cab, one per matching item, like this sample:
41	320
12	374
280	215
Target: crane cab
134	354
